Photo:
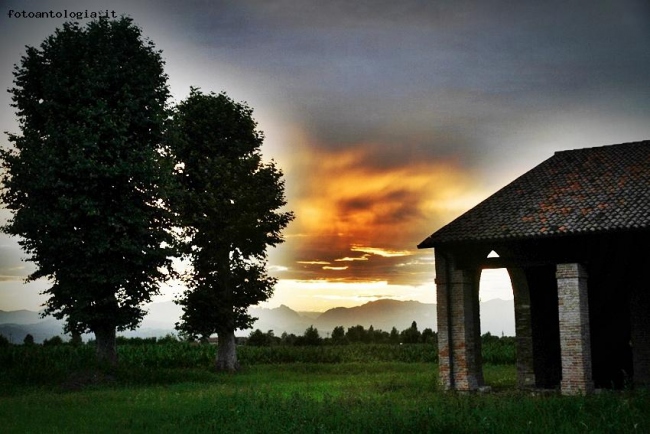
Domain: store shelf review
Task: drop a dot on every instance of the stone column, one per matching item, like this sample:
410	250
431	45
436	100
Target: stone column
575	339
459	328
523	329
442	302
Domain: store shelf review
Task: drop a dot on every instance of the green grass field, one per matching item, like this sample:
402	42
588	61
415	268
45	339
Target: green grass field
298	397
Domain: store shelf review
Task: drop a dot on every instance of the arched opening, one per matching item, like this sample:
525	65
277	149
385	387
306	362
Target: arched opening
496	301
497	317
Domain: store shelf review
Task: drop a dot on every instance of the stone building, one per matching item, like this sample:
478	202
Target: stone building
574	235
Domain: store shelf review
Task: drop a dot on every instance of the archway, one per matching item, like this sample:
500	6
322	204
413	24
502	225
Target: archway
496	302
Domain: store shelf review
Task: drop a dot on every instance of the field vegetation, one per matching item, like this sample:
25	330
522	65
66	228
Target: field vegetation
164	385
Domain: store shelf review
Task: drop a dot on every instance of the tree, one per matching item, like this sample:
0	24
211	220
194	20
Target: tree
258	338
429	336
288	339
86	180
338	335
411	335
394	336
370	334
29	339
75	338
53	341
311	337
356	334
229	206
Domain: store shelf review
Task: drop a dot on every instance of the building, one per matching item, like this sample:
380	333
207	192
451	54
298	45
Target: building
574	235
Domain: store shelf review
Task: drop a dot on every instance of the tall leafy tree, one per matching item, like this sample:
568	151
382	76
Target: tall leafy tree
86	179
230	206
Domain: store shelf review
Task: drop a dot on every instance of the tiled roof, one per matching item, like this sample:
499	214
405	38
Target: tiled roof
590	190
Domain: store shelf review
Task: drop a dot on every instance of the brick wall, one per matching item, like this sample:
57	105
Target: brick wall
575	340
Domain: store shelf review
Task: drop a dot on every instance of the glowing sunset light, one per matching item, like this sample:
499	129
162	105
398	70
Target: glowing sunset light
348	259
386	253
320	295
357	207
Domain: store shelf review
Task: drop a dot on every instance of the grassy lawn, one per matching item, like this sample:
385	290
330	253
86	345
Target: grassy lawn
389	397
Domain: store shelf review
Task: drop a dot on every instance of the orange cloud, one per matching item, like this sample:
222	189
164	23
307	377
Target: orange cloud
349	200
352	259
344	196
386	253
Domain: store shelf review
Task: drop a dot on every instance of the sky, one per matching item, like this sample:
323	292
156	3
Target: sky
389	119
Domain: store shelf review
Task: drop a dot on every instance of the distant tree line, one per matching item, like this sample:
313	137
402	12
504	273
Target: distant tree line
311	337
339	336
354	344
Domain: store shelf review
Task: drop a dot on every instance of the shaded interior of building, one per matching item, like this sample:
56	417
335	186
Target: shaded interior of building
617	290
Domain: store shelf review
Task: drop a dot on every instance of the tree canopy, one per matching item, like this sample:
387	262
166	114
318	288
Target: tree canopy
86	180
230	210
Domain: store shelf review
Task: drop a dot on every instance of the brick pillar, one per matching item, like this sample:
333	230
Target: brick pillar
640	333
523	329
459	328
575	340
442	300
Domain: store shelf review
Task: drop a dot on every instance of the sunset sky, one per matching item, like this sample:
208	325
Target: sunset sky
388	118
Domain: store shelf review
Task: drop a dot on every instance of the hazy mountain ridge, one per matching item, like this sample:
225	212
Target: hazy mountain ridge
381	314
497	317
19	317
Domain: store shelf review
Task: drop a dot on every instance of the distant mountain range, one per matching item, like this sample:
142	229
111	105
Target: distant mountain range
497	317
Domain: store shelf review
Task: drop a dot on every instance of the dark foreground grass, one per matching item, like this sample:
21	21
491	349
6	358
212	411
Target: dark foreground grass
372	397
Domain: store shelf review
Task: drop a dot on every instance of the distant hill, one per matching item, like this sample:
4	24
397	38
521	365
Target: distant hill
497	317
41	330
19	317
280	319
381	314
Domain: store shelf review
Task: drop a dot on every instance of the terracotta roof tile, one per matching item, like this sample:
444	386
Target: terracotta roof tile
590	190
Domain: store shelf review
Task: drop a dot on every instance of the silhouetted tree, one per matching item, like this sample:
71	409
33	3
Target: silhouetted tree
394	336
288	339
259	339
53	341
411	335
75	338
169	338
356	334
86	180
29	339
428	336
229	206
338	335
380	337
311	337
370	335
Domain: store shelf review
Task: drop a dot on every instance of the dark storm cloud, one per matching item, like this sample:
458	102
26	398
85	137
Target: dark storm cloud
439	77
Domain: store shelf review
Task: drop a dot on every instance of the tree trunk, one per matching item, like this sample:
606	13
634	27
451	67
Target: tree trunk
227	352
106	345
226	345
